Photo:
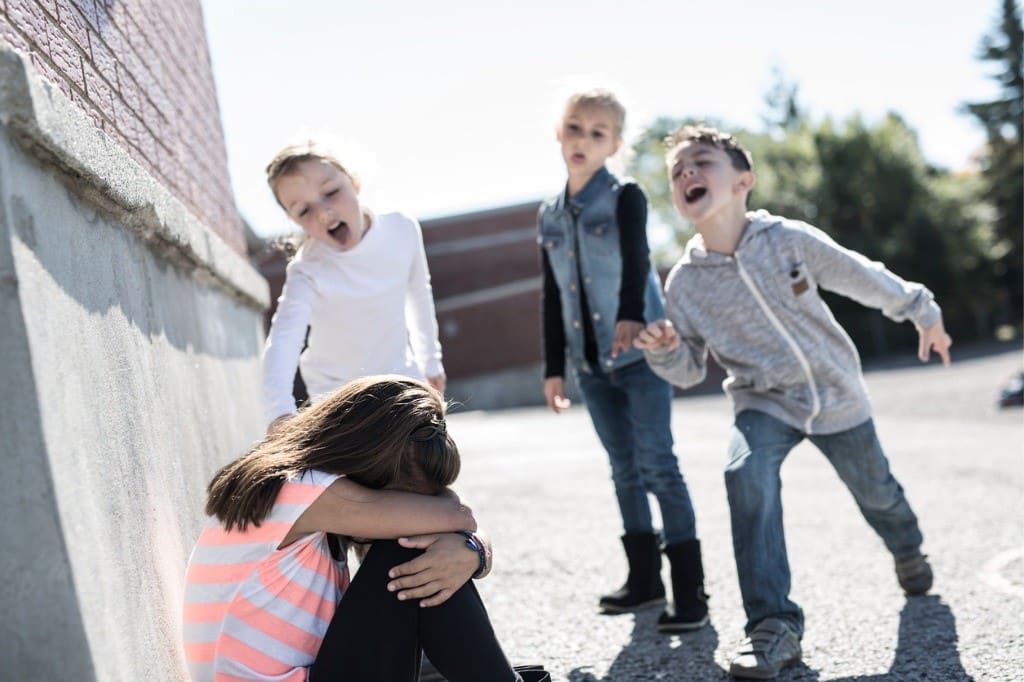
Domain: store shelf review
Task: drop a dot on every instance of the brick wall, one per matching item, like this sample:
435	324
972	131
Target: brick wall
141	71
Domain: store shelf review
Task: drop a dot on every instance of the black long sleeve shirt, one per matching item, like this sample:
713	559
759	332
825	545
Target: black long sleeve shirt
631	215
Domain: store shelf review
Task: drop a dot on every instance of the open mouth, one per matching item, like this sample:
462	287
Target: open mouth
695	193
578	158
339	232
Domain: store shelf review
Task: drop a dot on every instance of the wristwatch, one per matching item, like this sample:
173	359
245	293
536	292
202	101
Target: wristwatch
473	542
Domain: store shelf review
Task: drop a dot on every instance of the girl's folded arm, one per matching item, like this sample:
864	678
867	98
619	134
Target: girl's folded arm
347	508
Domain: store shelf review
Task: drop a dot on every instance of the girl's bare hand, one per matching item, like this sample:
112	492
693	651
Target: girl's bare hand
445	565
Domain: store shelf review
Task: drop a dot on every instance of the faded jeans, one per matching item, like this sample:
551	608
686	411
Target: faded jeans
759	445
631	410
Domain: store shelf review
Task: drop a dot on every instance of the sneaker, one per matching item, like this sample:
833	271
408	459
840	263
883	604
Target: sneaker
771	646
914	574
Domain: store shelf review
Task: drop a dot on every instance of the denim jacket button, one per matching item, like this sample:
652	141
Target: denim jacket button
597	316
599	231
576	324
572	287
569	253
550	244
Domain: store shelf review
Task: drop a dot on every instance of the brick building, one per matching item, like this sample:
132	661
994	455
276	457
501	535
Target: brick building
130	331
141	72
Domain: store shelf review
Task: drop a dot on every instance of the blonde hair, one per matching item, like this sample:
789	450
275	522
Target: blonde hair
599	98
288	159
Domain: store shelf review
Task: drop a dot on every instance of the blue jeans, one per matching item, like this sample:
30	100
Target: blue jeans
631	410
759	445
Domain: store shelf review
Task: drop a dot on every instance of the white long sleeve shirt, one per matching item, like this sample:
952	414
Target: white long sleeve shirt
370	310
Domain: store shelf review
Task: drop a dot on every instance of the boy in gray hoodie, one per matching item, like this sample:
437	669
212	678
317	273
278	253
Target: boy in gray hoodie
746	290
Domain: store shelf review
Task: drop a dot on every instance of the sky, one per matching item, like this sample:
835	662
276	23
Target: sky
443	107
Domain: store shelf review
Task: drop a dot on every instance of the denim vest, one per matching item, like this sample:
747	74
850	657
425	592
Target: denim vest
581	238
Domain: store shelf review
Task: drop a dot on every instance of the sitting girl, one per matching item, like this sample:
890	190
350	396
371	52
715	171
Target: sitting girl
267	592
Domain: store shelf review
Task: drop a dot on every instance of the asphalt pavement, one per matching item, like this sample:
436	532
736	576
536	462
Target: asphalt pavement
539	485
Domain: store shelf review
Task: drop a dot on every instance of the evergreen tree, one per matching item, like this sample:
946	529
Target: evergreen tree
1003	162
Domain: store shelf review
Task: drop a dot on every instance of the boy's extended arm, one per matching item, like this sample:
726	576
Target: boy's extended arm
851	274
419	302
347	508
685	365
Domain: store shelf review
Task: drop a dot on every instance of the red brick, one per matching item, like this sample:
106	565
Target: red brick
99	91
93	14
148	71
163	105
103	57
126	54
151	118
28	17
73	23
12	37
118	13
129	89
148	146
66	56
49	6
126	121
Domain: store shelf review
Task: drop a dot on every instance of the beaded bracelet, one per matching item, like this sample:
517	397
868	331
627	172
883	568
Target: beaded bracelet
473	542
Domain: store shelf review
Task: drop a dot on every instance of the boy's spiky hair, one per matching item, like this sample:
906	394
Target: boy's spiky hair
703	134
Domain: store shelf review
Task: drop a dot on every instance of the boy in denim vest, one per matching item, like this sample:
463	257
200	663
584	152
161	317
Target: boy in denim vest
746	290
599	288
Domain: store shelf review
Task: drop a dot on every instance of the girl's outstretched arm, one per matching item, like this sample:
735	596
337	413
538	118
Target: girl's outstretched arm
284	344
347	508
420	312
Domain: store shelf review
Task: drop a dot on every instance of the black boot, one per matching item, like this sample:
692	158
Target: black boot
643	586
690	611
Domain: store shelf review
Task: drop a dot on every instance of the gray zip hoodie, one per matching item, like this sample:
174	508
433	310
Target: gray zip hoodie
759	314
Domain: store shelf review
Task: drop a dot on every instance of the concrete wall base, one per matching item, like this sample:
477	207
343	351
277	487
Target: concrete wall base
129	364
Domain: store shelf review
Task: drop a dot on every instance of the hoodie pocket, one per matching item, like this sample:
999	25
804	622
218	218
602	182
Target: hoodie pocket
793	286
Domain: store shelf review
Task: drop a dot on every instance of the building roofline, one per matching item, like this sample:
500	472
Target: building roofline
459	217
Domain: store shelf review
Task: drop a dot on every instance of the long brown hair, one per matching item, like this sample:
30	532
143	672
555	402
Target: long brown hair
379	431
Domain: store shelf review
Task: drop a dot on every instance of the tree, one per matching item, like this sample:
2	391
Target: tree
877	195
1003	161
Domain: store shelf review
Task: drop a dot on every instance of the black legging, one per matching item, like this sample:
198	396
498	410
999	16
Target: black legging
374	636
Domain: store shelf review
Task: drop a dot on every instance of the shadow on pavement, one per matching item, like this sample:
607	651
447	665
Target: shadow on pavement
651	655
926	648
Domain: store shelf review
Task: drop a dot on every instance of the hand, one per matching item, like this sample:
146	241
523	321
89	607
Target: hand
625	332
658	334
554	393
438	383
446	565
936	339
277	424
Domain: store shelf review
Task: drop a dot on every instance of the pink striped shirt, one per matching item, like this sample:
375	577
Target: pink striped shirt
256	612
